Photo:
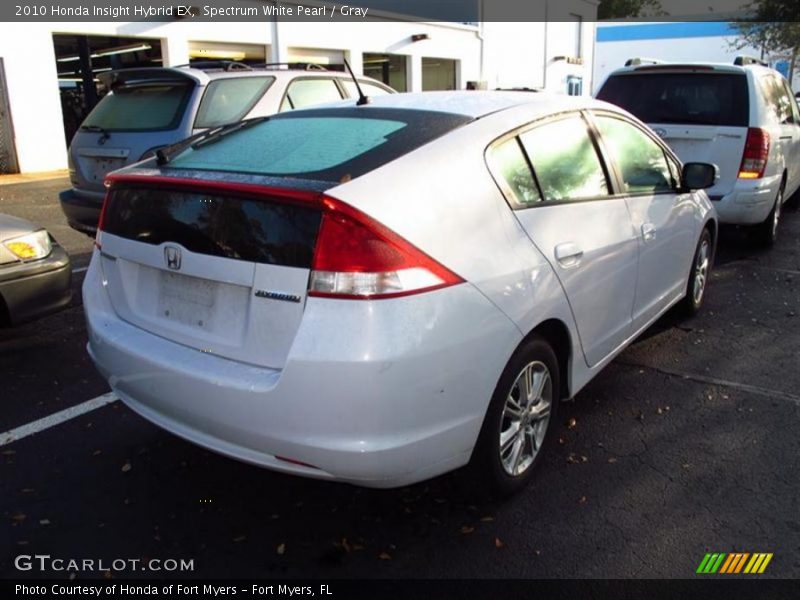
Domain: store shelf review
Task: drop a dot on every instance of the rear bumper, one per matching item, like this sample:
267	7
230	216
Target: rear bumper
380	394
749	203
81	210
34	289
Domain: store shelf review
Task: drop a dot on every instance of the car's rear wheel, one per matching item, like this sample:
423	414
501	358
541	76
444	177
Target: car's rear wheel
698	276
519	422
767	232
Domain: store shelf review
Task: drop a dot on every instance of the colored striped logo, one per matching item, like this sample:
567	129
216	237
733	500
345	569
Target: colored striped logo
734	563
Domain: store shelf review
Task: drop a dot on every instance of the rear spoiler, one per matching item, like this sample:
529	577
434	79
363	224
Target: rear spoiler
112	79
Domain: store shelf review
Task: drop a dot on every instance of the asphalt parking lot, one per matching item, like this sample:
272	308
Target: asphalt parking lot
686	444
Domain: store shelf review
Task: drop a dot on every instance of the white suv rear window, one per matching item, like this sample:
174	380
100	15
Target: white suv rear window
681	97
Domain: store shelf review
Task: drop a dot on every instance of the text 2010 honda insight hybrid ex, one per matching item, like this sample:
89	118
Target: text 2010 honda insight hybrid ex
379	294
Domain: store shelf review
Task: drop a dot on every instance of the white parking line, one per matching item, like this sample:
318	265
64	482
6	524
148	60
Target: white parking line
23	431
80	269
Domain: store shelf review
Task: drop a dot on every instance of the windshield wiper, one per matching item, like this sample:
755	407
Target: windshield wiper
165	155
96	129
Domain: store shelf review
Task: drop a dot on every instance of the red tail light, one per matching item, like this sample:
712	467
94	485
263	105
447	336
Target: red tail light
756	152
358	258
98	233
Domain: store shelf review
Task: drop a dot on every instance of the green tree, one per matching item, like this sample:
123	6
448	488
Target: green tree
774	28
618	9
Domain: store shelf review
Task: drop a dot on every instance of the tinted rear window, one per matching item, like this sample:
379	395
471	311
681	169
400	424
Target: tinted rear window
254	230
692	98
150	107
322	144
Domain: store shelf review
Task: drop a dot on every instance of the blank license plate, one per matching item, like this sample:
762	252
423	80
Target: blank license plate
187	300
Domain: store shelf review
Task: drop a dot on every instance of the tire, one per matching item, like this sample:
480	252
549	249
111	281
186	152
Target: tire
504	470
698	276
767	232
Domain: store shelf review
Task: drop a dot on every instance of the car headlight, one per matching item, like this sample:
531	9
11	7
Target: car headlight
31	246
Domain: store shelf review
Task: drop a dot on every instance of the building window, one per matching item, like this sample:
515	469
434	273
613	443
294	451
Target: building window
388	68
574	85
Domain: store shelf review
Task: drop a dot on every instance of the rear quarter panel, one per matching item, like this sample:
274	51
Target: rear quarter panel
442	199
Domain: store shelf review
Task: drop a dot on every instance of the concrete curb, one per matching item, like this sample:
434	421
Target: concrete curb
31	177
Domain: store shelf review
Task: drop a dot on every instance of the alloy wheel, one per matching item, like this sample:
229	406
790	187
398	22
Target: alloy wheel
526	414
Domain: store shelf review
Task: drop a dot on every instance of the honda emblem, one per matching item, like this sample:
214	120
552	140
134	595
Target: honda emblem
172	256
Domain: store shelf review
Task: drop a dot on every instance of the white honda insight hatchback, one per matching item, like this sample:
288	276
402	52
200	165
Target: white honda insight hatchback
383	293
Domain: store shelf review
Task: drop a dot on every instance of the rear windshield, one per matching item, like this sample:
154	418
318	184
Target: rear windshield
691	98
253	230
321	144
150	107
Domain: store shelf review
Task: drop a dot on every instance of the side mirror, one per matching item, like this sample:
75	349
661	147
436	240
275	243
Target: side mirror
699	176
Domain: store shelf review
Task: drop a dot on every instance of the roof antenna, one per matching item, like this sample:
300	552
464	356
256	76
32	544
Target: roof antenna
362	99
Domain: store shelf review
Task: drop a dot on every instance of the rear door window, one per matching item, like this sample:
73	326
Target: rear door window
641	161
565	160
686	98
142	107
307	92
229	100
507	160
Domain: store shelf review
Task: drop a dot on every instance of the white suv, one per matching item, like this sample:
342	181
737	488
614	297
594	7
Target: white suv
741	117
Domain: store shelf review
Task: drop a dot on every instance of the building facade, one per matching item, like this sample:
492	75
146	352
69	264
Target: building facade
48	70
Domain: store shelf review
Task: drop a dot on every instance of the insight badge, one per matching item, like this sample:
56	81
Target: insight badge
736	563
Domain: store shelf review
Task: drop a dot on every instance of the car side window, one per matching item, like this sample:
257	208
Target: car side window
777	100
230	99
305	92
790	97
507	161
565	161
641	161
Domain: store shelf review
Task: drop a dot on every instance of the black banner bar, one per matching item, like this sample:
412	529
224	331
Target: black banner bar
729	588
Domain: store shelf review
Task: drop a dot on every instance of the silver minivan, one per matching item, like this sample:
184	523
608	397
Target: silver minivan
149	108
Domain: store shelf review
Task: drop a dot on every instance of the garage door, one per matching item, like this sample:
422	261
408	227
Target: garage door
8	157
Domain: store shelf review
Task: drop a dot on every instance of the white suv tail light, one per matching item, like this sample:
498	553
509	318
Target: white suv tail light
756	153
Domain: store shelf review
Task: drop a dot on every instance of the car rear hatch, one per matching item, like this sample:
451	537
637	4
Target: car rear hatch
144	109
215	250
701	112
223	269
